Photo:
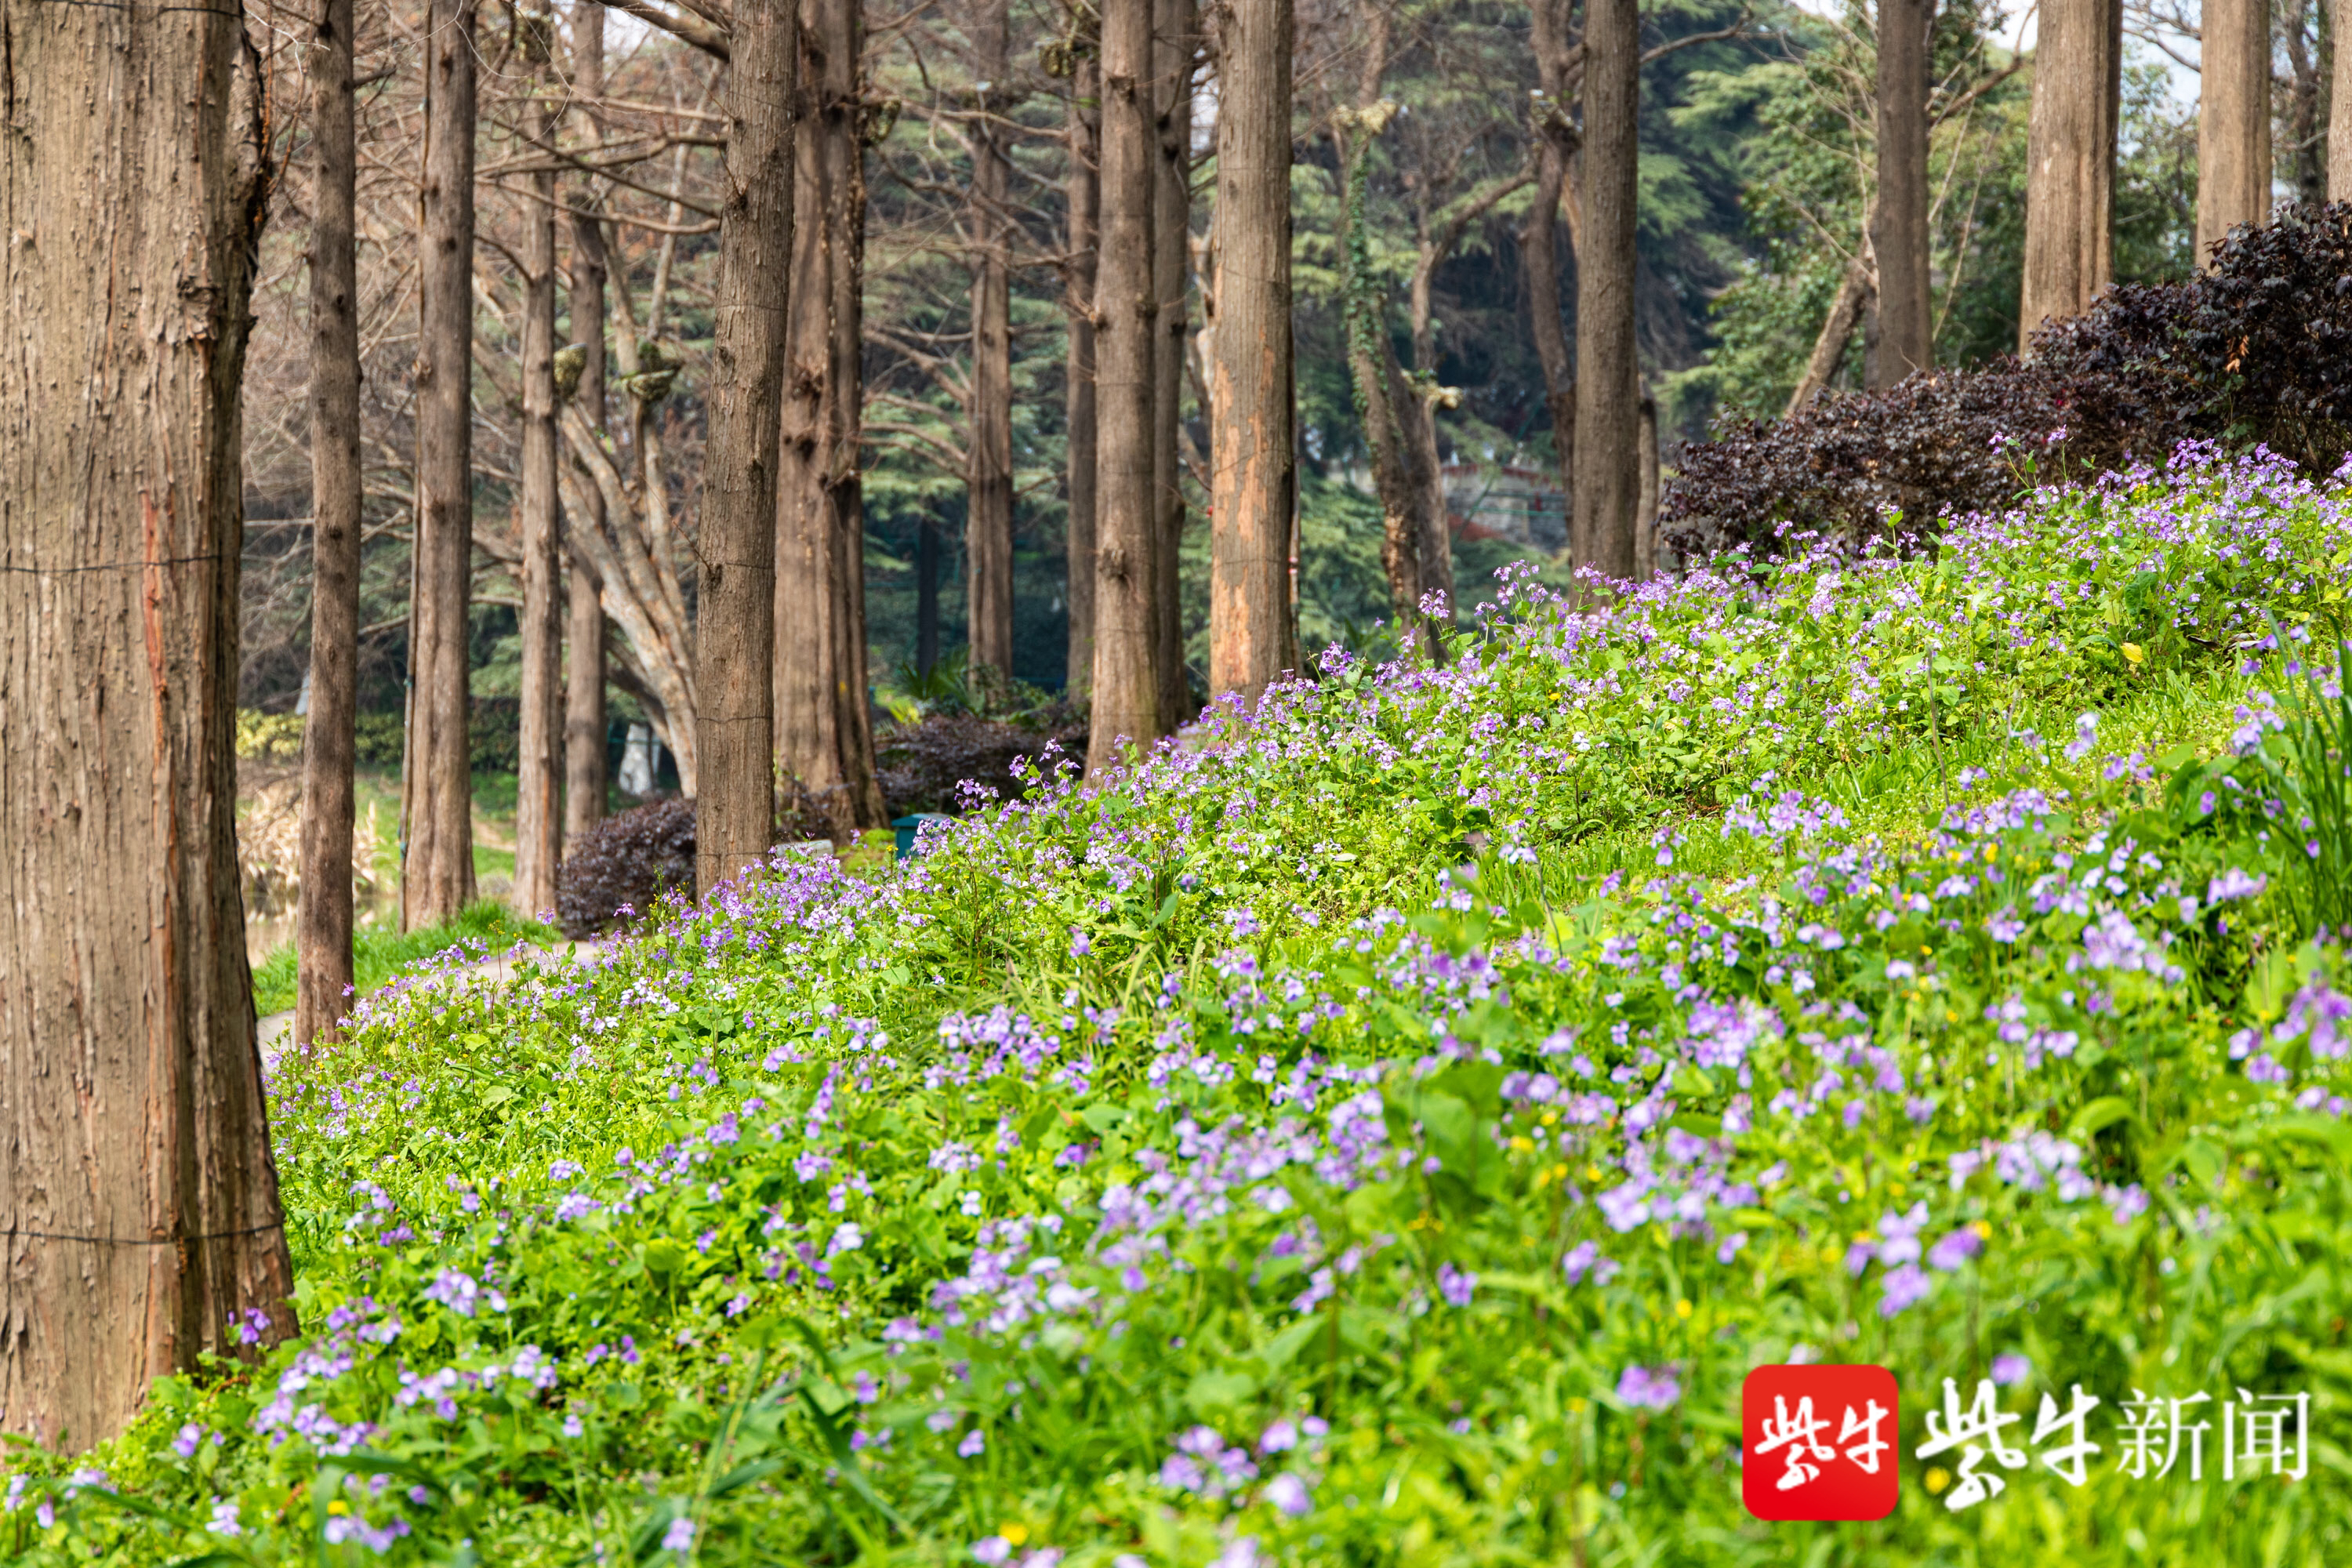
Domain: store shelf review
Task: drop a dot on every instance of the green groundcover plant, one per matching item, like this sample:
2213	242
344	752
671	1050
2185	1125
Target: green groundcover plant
1387	1125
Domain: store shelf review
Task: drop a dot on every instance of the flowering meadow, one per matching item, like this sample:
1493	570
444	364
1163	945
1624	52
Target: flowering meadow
1388	1125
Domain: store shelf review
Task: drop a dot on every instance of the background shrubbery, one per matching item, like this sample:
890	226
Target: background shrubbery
2256	350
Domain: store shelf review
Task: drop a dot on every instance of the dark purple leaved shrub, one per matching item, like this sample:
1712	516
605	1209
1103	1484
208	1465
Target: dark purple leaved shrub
625	862
2257	349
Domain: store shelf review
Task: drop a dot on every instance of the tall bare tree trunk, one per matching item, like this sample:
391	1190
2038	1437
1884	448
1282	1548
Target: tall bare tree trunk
1253	454
139	1205
436	872
1127	669
825	734
1646	516
2070	162
1085	198
1899	233
1556	142
538	765
1608	374
988	510
1171	237
322	940
735	621
927	593
2234	120
1394	417
2339	104
584	620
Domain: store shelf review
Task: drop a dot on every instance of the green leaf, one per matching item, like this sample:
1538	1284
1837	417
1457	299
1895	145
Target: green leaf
2097	1116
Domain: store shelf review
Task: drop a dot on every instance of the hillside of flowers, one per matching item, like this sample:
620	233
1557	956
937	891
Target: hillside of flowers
1387	1126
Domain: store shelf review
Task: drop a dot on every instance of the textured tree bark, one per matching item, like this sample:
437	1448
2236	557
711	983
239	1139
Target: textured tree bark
539	767
1084	199
825	736
2070	162
139	1205
2234	120
323	939
2339	105
1556	142
988	478
1252	453
734	643
1899	221
1127	673
436	872
1608	376
584	627
1171	236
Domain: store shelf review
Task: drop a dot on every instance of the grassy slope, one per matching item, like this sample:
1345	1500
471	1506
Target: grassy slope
1195	1137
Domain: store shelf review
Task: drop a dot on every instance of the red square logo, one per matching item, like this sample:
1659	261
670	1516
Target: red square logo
1819	1442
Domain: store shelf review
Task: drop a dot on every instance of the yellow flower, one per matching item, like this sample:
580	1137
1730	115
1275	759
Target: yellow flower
2132	652
1591	1172
1984	1230
1683	1309
1015	1533
1523	1145
1939	1478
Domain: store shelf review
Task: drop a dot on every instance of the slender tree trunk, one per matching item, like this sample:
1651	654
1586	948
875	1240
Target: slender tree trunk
988	509
1608	391
2070	162
1085	198
539	767
1252	447
1853	295
1127	673
583	629
323	919
1899	235
2339	105
1556	142
926	594
825	736
1646	519
138	1195
436	874
1172	234
2233	121
734	644
1389	408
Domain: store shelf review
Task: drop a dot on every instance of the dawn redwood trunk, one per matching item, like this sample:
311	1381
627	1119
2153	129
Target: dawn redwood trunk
137	1192
2339	107
1608	378
2070	162
1253	455
1171	231
1127	670
1556	141
538	763
988	477
735	620
1084	190
2234	120
1899	222
323	926
436	873
1400	446
926	594
824	737
585	761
